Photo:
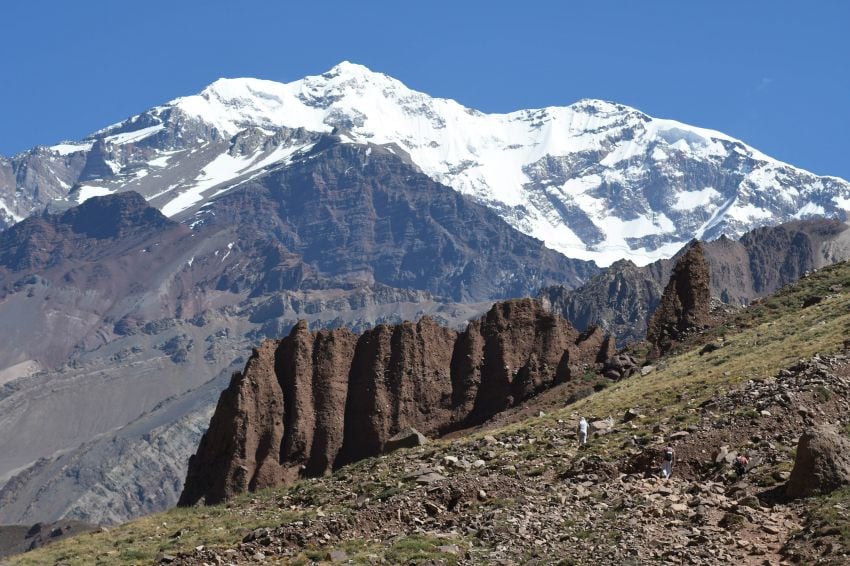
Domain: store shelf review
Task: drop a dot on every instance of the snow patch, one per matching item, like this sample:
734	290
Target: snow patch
114	166
810	209
138	135
689	200
88	191
229	248
748	213
69	148
223	169
163	160
842	202
658	154
5	208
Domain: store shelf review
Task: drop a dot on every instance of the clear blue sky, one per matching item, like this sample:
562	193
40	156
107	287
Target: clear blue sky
773	73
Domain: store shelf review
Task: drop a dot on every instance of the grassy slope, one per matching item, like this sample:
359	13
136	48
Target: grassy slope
757	343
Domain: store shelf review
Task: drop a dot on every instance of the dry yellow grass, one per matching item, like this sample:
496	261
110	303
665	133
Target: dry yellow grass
773	335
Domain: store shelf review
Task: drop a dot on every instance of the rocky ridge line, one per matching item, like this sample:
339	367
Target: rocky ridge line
313	401
516	495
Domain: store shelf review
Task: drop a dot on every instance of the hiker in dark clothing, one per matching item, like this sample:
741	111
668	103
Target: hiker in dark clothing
740	464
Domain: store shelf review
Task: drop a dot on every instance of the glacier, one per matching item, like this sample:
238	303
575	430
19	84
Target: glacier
594	180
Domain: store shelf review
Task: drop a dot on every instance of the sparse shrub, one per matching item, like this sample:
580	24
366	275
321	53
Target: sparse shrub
388	493
416	549
822	393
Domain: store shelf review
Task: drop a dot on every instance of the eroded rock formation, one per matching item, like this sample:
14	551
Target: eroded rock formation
685	304
316	400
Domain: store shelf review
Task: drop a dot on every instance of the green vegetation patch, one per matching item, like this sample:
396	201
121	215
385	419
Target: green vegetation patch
419	548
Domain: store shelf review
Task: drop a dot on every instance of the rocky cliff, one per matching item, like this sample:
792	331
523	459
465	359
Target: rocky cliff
685	304
621	298
121	317
316	400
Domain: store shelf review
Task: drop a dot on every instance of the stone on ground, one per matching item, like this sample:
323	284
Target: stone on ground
822	464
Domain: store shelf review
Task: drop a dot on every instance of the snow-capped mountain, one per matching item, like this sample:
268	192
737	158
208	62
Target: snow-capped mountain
593	180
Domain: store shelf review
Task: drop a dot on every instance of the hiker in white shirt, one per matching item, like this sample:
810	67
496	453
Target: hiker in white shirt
582	432
668	457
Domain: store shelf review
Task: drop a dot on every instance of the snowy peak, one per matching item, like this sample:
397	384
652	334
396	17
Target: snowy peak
594	180
232	105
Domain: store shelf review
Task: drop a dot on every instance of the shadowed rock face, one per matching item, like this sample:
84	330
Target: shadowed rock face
317	400
622	298
90	231
685	303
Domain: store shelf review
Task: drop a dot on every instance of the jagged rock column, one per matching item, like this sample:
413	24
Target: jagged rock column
314	401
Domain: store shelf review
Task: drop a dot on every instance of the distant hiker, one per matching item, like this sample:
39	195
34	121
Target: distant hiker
668	456
582	432
740	465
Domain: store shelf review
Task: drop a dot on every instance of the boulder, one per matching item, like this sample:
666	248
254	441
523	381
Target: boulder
406	438
708	348
630	415
822	463
725	456
620	366
34	530
602	426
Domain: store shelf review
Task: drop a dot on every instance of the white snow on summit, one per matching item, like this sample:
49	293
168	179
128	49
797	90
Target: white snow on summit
524	163
595	180
222	168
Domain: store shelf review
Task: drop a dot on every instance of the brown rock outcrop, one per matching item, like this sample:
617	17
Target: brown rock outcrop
316	400
685	304
822	463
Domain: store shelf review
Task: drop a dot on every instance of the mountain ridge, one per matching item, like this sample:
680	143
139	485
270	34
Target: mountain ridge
594	180
347	236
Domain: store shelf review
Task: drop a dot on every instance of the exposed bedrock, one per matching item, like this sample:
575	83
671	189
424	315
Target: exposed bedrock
685	305
316	400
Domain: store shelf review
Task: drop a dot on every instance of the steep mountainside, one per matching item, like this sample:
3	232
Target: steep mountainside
313	401
526	493
342	199
594	180
123	317
364	214
622	298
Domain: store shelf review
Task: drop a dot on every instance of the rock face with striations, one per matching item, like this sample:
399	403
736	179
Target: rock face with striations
685	304
316	400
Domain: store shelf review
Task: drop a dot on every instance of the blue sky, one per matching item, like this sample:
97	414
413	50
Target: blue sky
774	74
